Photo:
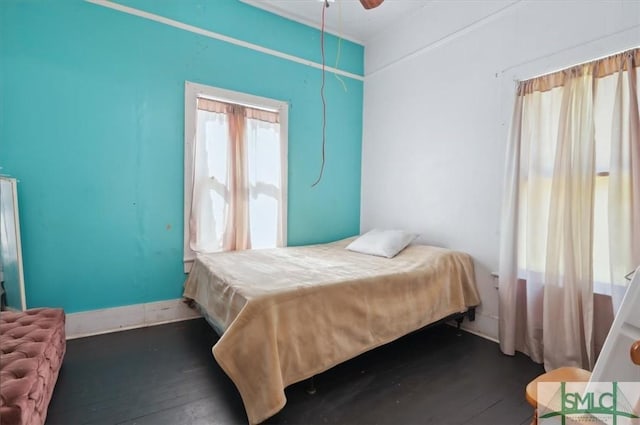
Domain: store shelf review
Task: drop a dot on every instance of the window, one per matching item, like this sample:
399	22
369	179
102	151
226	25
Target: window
536	186
235	171
603	110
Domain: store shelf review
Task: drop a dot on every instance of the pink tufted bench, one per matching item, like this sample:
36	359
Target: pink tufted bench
32	345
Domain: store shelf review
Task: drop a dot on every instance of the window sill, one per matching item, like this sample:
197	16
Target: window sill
188	264
599	288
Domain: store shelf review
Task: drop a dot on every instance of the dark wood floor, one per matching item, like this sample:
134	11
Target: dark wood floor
167	375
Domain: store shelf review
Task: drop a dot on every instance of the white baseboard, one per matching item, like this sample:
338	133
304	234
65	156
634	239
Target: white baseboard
484	326
480	334
96	322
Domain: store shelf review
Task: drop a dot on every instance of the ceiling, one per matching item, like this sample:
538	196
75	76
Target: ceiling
346	18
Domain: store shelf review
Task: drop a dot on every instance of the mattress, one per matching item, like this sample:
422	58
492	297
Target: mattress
33	346
287	314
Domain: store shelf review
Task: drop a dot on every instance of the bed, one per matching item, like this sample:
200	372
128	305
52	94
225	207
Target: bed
287	314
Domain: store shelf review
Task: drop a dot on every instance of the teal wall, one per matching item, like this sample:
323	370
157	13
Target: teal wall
91	123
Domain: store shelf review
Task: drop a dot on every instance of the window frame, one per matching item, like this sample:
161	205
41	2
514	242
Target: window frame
191	93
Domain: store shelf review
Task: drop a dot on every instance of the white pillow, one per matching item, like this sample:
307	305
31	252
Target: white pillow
383	243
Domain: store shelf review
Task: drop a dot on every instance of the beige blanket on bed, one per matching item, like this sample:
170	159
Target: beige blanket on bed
290	313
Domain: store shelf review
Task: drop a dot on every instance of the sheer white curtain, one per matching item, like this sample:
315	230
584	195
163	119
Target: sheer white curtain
568	273
571	207
210	200
266	181
624	179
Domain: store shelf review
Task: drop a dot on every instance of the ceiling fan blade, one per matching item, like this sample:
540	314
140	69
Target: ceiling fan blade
370	4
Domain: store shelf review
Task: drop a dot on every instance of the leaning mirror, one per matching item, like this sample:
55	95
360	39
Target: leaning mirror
12	295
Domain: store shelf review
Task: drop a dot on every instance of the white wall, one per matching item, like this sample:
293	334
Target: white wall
439	89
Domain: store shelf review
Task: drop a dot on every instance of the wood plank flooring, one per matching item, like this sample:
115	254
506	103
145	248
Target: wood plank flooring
167	375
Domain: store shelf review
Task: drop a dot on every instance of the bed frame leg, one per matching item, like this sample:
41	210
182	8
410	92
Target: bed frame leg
311	386
471	314
459	320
